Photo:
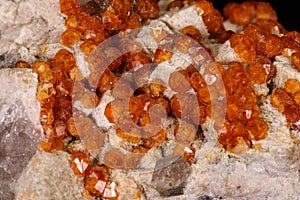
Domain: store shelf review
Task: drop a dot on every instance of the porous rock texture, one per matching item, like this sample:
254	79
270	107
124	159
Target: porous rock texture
48	176
26	26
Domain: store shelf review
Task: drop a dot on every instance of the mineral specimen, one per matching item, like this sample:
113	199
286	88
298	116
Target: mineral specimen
161	105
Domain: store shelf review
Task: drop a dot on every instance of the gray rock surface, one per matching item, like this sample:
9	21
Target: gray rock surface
170	175
27	24
48	176
19	125
271	173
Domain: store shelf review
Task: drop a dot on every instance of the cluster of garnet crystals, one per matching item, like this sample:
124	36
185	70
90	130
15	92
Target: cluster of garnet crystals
264	36
238	120
287	101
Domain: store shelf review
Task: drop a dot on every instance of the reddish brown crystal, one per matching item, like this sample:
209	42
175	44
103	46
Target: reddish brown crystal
268	26
291	112
228	8
205	8
113	110
52	144
96	182
257	129
270	46
147	9
279	98
242	14
261	70
176	4
296	98
214	21
264	10
244	46
296	60
104	82
87	46
292	86
192	31
43	70
80	163
133	136
162	55
93	141
69	7
70	37
157	87
254	32
65	60
22	64
89	100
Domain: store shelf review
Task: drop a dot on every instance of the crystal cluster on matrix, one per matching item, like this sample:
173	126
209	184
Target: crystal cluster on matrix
92	22
287	101
262	34
242	122
212	17
54	94
60	82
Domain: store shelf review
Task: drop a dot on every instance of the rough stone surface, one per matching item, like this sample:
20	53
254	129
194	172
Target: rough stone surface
223	53
144	37
170	175
21	84
49	176
28	23
285	70
185	17
127	188
19	125
8	60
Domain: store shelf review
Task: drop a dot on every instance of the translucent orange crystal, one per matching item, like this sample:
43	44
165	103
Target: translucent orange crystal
244	46
264	10
192	31
261	70
147	9
270	46
69	7
64	59
204	7
80	163
214	21
296	60
22	64
43	70
162	55
70	37
257	129
292	86
95	183
242	14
